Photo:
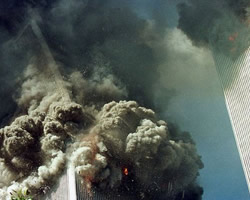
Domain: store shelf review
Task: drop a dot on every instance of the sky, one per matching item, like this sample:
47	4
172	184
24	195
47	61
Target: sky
207	120
199	107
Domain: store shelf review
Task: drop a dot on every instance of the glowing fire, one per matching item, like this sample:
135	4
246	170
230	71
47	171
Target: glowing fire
233	37
88	182
91	141
125	171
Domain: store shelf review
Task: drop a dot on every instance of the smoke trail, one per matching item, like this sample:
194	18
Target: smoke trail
106	33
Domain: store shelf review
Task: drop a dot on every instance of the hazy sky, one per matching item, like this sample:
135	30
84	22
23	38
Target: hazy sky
207	120
199	107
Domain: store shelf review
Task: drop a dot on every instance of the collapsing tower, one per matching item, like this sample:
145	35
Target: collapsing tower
70	186
235	80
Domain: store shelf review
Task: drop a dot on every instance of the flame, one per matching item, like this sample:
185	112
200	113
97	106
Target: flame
125	171
90	140
233	37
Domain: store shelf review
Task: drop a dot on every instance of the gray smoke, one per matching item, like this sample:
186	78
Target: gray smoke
130	137
106	54
222	25
33	145
122	134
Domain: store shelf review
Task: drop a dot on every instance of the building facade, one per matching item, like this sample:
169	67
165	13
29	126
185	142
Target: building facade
235	79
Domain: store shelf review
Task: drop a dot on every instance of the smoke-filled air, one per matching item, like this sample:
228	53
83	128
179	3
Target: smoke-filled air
225	27
104	141
82	78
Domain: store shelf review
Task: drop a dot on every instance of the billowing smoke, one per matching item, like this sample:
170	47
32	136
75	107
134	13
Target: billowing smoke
89	114
108	34
33	146
130	136
224	26
106	141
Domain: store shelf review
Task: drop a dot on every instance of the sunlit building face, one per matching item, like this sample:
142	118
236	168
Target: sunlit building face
235	79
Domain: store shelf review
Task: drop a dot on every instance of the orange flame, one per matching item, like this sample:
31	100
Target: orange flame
125	171
91	141
233	37
88	185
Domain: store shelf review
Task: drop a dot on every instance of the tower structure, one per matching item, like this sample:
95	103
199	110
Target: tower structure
235	80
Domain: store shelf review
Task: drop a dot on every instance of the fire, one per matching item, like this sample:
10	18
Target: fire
233	37
125	171
88	185
91	141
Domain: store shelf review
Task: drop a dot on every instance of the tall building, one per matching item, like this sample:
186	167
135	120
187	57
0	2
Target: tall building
69	185
235	80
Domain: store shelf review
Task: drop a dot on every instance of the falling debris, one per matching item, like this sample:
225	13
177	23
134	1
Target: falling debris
36	147
90	123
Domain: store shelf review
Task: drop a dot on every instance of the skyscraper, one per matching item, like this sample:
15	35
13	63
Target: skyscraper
235	80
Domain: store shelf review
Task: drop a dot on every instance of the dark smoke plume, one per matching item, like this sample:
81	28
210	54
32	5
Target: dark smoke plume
222	25
88	114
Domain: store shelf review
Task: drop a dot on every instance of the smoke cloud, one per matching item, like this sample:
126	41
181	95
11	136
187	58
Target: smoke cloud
129	137
122	134
87	108
224	27
182	62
